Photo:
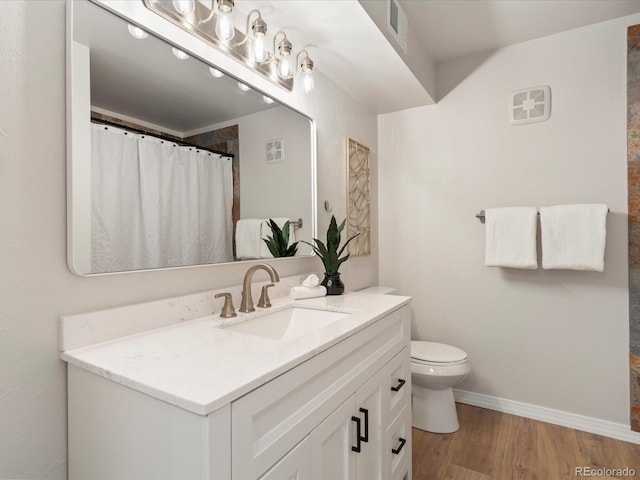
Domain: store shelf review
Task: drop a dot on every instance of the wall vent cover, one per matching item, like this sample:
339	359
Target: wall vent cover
397	24
530	105
274	151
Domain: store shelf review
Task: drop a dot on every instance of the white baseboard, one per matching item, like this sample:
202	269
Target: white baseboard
618	431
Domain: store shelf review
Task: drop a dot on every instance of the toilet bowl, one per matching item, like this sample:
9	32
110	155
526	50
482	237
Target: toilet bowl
435	369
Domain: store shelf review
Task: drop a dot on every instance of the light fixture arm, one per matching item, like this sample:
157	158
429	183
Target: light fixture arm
246	35
213	11
275	42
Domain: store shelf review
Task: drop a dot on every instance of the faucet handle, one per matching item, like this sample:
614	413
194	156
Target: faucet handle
227	309
264	301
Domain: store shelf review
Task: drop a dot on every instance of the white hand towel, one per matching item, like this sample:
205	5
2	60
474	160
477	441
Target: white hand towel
248	238
311	281
298	293
510	237
574	236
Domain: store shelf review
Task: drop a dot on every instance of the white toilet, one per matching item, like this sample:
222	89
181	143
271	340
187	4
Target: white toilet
435	369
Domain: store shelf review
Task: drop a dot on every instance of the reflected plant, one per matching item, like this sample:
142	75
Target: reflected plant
278	241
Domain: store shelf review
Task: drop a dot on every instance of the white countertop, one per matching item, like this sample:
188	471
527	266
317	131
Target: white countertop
200	367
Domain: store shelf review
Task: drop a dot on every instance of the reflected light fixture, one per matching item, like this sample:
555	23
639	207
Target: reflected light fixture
215	72
243	87
279	66
268	100
179	53
137	32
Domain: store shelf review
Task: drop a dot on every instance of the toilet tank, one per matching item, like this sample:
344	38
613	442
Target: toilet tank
380	290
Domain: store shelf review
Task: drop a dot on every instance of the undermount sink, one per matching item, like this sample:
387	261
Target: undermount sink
288	323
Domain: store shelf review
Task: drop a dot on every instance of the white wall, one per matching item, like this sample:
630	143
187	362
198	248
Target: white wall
36	287
557	339
289	180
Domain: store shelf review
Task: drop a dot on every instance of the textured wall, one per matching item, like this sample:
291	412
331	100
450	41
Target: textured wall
36	287
633	178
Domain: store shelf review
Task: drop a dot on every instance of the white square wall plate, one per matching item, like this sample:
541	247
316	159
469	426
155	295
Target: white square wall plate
530	105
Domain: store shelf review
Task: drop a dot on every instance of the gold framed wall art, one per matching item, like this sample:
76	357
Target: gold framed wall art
358	197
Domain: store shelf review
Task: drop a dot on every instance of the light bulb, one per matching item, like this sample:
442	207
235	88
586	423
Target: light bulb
215	72
243	87
266	99
224	26
259	52
308	82
184	7
137	32
179	53
284	68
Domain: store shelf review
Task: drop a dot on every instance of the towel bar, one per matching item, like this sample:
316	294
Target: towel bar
298	223
480	216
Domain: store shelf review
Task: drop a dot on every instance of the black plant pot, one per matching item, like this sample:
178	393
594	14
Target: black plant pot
333	283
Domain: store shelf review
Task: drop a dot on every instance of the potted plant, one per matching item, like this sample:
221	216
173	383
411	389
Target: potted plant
278	241
330	256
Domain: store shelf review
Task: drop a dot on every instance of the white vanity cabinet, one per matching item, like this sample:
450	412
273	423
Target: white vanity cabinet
325	403
342	413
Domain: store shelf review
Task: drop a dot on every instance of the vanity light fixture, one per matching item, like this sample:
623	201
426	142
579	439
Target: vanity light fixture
279	66
179	53
258	28
184	7
243	87
268	100
215	72
137	32
224	24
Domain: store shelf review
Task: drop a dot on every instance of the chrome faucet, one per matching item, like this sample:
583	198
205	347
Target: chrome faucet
246	305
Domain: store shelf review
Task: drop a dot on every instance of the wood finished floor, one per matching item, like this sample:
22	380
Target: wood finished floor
496	446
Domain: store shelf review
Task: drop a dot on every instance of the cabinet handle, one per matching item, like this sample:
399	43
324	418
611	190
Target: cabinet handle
397	388
396	451
365	438
357	448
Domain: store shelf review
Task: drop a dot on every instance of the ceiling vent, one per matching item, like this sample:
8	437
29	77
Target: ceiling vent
530	105
397	23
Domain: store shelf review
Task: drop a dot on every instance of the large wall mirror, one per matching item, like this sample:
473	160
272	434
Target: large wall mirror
173	163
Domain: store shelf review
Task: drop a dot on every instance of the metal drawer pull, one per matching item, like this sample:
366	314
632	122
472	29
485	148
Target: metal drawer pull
366	425
400	447
358	436
397	388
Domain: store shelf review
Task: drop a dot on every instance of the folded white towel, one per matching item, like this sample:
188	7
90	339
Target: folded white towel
248	239
298	293
510	237
311	281
574	236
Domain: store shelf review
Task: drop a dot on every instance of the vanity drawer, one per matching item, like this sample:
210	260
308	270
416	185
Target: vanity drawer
399	382
272	419
398	446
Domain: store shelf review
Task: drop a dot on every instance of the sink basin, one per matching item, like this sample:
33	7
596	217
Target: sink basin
288	323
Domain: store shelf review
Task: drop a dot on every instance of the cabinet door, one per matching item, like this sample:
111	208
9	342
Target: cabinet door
331	442
294	466
370	409
398	447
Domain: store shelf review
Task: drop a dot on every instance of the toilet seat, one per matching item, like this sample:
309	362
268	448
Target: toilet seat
432	353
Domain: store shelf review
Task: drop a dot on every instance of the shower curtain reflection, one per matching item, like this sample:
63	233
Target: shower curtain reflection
156	204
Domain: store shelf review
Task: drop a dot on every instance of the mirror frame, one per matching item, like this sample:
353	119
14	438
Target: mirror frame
78	129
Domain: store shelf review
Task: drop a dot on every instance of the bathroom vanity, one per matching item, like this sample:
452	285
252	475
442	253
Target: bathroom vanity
312	389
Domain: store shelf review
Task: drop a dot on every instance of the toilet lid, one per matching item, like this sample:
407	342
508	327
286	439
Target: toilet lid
436	352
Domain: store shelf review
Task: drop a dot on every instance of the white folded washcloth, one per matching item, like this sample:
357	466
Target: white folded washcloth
574	236
248	238
298	293
311	281
510	237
